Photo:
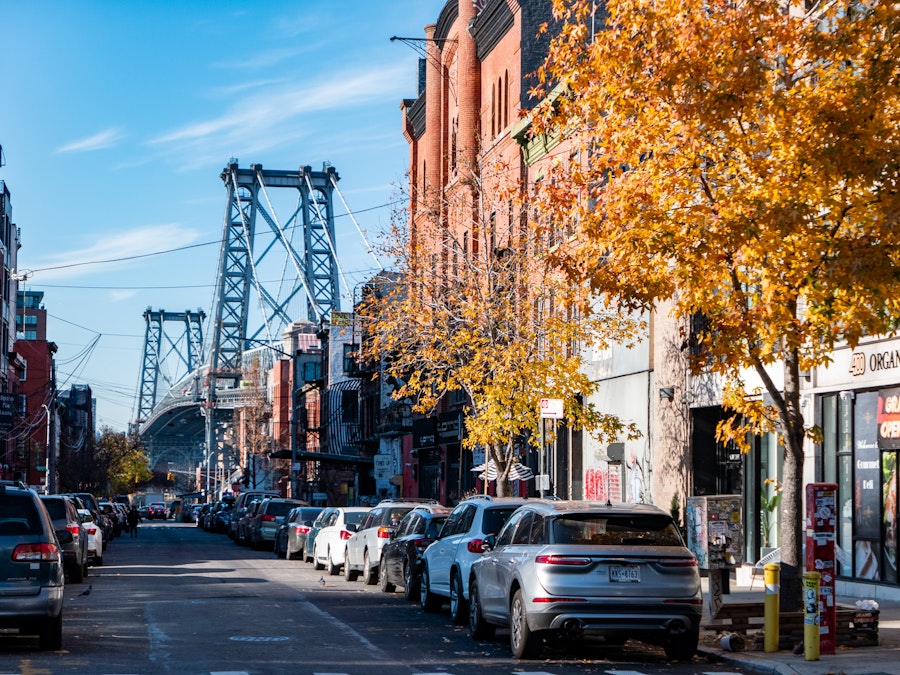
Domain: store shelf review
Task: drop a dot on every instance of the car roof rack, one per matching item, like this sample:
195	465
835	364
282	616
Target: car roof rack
486	497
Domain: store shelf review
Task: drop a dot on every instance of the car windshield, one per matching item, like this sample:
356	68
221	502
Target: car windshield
354	517
279	508
56	508
495	518
615	530
18	515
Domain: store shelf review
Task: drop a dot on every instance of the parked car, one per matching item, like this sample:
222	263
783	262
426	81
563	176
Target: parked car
268	518
241	502
290	538
401	555
220	518
242	531
331	541
32	573
562	567
363	554
446	563
110	511
157	510
314	530
96	543
65	516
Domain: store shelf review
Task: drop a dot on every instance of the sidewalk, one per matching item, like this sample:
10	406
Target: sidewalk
881	660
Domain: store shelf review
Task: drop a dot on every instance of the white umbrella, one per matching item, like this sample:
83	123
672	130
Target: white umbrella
517	471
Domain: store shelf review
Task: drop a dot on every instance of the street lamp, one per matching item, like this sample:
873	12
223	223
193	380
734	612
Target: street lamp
48	488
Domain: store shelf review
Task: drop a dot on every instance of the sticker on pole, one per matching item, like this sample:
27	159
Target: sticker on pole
551	408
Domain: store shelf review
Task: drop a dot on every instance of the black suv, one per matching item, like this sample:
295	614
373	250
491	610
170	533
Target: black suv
31	567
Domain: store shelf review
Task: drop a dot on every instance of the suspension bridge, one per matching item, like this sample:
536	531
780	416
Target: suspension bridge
275	273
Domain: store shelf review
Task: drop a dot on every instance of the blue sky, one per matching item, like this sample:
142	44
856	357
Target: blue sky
116	119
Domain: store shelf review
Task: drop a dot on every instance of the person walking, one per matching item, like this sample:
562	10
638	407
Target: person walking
134	517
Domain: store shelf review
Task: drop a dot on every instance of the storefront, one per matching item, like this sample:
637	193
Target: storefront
857	407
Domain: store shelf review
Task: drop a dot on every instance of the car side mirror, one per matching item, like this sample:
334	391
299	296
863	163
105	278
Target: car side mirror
488	543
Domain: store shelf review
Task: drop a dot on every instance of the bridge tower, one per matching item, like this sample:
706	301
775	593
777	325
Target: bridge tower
160	347
305	241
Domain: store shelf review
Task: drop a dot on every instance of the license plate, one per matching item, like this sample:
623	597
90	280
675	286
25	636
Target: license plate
627	574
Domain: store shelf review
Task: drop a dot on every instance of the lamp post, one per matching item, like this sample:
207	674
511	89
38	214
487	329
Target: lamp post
48	487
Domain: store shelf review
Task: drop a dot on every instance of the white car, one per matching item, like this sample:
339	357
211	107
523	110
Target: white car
363	554
447	562
331	541
95	538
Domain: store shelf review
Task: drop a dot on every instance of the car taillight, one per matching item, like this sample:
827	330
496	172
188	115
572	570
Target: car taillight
345	534
384	533
268	518
73	529
571	560
422	543
91	530
681	562
301	529
474	546
36	553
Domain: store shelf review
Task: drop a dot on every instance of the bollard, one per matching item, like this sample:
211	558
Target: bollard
811	615
772	579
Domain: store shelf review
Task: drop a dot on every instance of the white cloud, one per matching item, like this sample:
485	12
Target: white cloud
267	118
112	251
99	141
118	296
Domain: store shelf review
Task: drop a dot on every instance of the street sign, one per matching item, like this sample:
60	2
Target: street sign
551	408
7	411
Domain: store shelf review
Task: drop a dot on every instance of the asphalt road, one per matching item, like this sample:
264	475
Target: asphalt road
183	601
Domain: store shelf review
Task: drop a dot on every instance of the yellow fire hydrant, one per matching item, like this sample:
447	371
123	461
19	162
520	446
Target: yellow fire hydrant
811	634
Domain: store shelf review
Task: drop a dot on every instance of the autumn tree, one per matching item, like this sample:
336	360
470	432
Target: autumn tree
115	463
742	166
473	307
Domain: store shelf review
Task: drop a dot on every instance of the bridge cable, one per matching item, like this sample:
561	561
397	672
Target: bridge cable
279	232
369	248
256	282
331	247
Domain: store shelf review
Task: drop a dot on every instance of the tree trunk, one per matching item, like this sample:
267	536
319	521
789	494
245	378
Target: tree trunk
792	564
501	459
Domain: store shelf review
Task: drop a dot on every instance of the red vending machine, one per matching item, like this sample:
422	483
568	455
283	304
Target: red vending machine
821	523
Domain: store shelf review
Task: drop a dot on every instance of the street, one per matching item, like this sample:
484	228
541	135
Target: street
177	599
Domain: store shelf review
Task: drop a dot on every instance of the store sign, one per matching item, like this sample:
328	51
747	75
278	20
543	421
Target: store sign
860	362
867	471
889	419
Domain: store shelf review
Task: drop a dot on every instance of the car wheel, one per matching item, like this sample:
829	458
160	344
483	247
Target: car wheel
371	574
76	574
349	575
479	629
428	601
458	608
280	550
524	643
682	647
84	569
292	555
51	633
330	567
386	586
411	583
98	561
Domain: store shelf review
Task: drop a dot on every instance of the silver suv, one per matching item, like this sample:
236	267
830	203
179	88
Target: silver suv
31	567
569	568
363	554
446	563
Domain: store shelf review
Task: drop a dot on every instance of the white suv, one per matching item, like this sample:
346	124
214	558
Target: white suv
446	563
363	553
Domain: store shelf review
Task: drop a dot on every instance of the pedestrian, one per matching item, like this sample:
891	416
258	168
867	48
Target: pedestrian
134	517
